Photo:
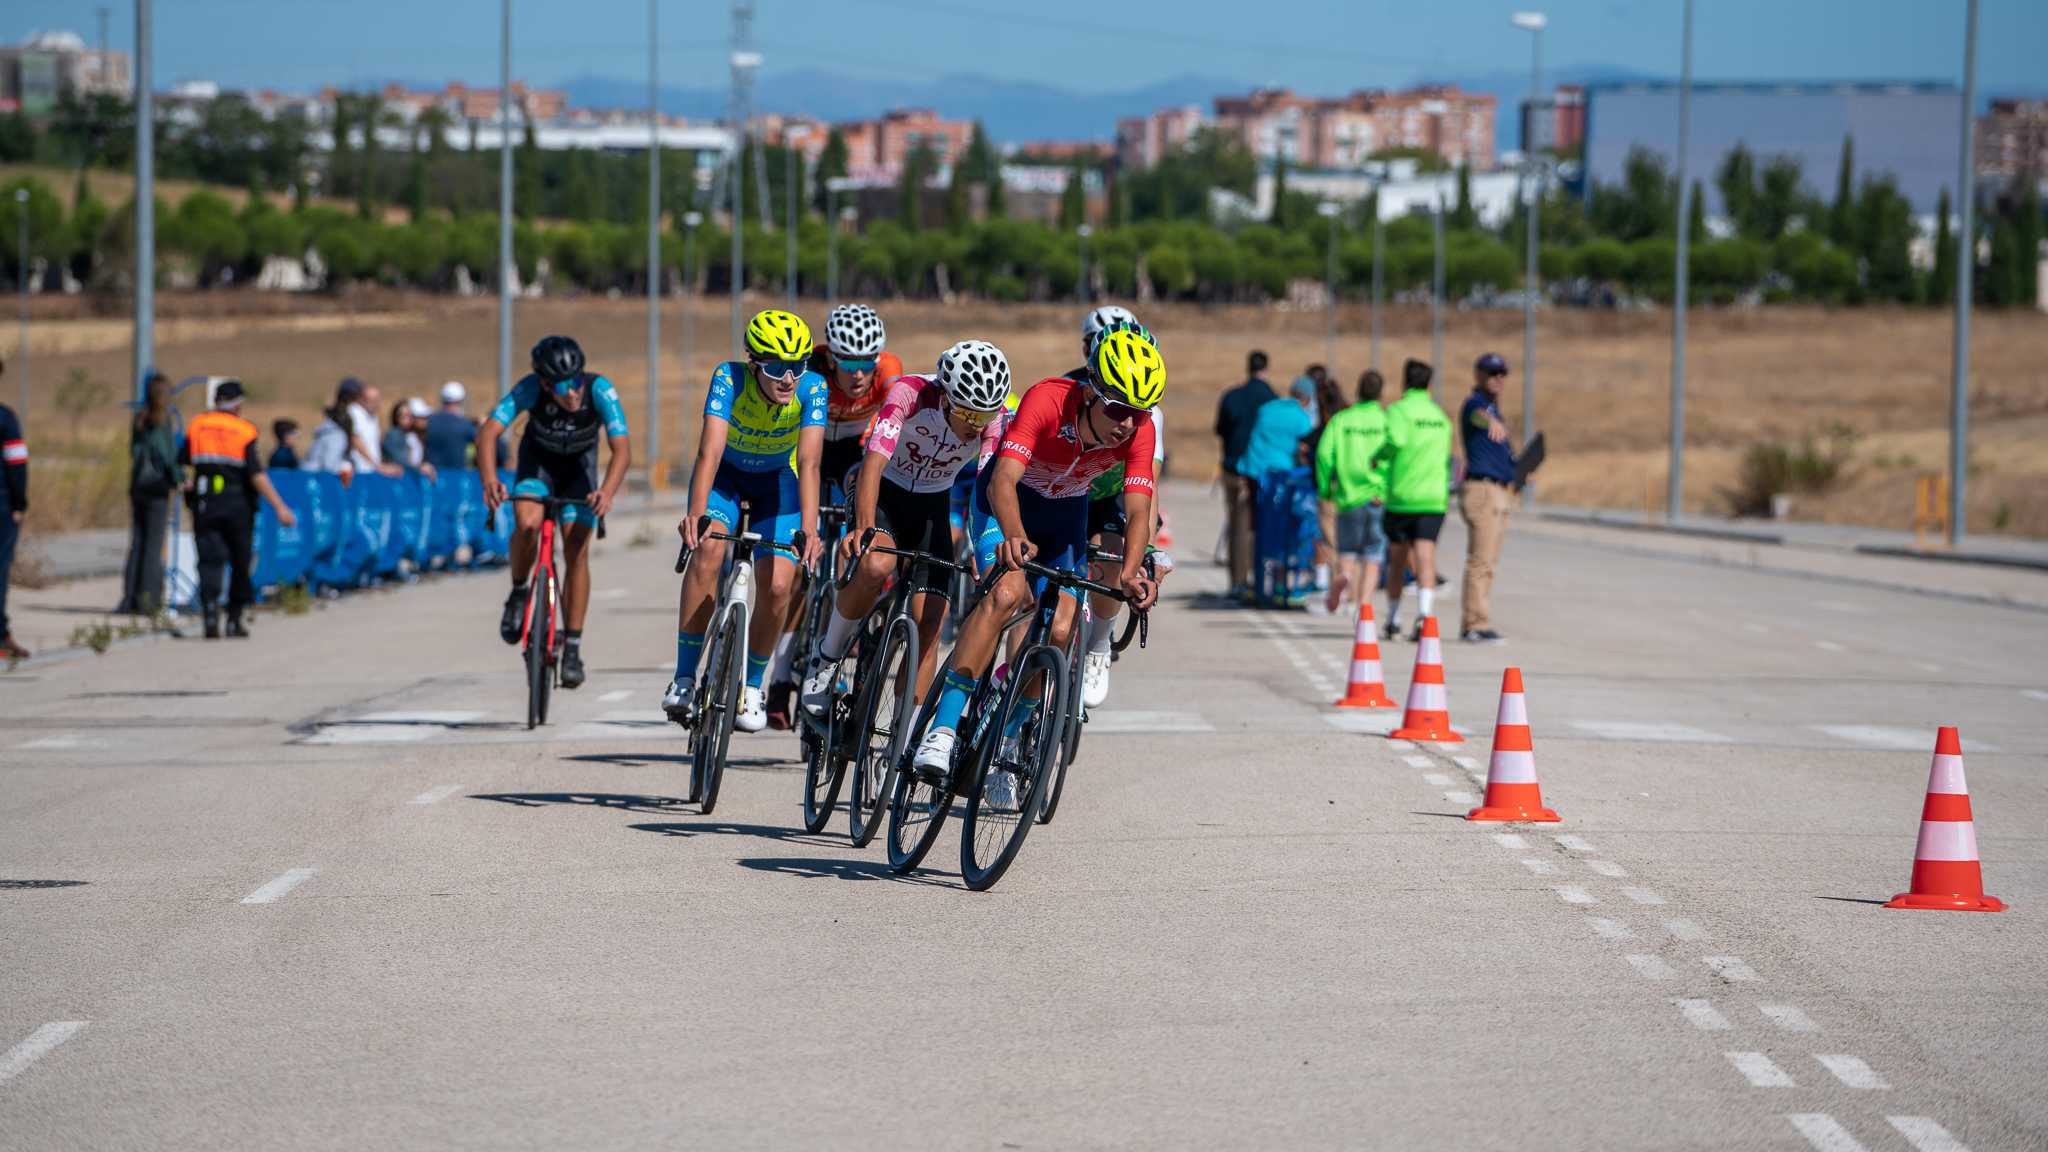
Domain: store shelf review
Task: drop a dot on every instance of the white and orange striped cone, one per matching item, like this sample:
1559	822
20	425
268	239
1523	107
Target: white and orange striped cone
1428	715
1512	792
1946	872
1164	537
1367	686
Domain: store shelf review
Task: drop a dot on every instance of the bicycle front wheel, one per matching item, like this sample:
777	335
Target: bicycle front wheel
1023	745
917	807
721	705
826	745
540	619
881	725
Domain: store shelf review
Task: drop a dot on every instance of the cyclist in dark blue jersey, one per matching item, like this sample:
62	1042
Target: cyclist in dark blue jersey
568	411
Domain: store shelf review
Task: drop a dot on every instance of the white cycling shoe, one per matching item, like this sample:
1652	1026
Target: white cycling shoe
818	689
1095	678
676	701
1000	790
753	713
934	758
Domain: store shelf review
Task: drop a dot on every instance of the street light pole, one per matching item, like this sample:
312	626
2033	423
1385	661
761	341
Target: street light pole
654	243
790	181
1966	267
505	267
21	273
1378	281
145	203
743	65
1081	277
1436	290
1532	178
1328	211
1674	484
690	221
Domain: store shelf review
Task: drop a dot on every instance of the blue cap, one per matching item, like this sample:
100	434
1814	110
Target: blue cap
1491	364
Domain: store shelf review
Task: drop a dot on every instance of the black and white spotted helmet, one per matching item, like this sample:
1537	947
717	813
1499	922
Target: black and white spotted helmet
975	376
854	331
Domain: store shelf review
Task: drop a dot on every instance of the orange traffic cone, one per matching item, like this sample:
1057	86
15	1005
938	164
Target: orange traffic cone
1164	537
1367	687
1946	874
1511	789
1428	717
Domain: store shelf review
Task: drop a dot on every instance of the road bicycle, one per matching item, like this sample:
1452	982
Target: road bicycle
540	633
1013	723
815	593
722	670
863	728
1136	625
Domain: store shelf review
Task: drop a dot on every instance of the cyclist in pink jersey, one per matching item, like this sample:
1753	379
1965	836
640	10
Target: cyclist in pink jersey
928	429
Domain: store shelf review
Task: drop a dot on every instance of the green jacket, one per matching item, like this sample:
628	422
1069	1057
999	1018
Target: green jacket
1417	454
1348	472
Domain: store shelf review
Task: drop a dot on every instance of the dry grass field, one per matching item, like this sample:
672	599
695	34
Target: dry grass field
1768	374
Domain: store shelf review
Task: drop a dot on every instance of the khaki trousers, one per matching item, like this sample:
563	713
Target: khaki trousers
1485	506
1239	494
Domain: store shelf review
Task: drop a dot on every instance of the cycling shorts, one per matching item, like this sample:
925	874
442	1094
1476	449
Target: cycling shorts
1057	525
543	474
1408	527
1106	515
836	468
917	520
774	510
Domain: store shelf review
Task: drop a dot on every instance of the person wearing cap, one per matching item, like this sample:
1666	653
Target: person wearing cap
1488	494
220	450
1417	458
450	433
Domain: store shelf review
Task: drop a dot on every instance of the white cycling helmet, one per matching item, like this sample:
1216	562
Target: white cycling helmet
854	331
975	376
1093	323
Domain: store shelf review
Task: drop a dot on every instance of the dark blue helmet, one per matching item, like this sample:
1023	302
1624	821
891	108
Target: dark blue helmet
557	358
1491	364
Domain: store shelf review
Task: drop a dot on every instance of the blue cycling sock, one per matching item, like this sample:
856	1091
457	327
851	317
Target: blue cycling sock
1026	709
757	668
689	647
953	699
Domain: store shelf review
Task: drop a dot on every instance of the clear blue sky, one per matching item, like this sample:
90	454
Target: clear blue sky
1313	45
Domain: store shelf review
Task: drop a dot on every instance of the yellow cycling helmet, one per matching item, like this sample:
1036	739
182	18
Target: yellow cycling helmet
777	335
1129	369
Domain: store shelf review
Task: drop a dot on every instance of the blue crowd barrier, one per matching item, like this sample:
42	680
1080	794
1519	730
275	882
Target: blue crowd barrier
374	528
1285	539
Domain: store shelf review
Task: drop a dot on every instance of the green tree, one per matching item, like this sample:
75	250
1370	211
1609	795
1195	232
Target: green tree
1463	215
1883	237
917	170
416	189
17	138
526	172
957	208
1779	198
1842	215
1696	220
832	164
1278	215
1736	181
1941	286
1074	198
998	203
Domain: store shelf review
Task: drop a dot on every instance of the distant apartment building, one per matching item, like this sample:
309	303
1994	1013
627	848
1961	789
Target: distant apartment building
2012	139
1560	123
47	67
1062	151
1143	141
1327	134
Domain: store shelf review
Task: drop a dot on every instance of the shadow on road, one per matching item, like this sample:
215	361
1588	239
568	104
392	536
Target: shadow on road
621	801
828	868
626	759
1852	900
17	885
721	828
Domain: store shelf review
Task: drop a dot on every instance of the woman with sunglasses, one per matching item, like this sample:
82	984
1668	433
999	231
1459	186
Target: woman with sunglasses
764	432
1031	502
929	428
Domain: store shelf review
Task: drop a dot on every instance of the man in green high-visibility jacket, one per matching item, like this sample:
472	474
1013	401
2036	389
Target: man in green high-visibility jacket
1417	457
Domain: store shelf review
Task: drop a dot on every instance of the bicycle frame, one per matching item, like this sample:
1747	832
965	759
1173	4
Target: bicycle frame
544	558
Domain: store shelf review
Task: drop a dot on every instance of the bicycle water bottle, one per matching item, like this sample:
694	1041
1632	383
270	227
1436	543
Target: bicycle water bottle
743	584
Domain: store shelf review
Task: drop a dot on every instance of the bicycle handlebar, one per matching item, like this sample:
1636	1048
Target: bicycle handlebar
795	547
867	545
1140	621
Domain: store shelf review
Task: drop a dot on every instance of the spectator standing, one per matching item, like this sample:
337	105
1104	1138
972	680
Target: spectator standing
1278	431
338	444
286	455
397	447
13	510
366	437
1350	480
1488	494
450	433
1417	455
221	448
1329	402
403	446
153	474
1235	413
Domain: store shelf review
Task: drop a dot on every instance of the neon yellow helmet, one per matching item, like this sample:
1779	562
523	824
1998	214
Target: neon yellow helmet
777	335
1128	368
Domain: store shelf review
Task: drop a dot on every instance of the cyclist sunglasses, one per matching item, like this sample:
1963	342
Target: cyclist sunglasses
1117	409
857	364
973	418
781	369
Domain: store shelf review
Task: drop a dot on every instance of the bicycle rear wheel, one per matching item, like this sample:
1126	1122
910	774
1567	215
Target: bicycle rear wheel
827	745
886	695
917	808
721	705
540	620
1025	741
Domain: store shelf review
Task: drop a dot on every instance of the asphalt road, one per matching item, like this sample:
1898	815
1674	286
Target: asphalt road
323	890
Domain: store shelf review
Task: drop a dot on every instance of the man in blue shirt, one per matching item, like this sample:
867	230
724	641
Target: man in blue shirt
450	433
1488	494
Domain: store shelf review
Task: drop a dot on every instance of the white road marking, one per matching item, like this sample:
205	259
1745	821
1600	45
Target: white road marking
59	741
1880	736
1642	895
1730	967
1612	929
1471	765
419	717
1573	894
615	695
275	890
1539	867
1649	967
1575	844
1853	1072
2031	694
1924	666
1436	779
1789	1018
1461	798
1368	723
1685	929
1636	731
1417	761
1703	1015
436	795
38	1045
1397	745
1925	1135
1758	1070
1824	1134
1753	626
1510	841
612	594
1829	646
1115	722
1607	868
370	734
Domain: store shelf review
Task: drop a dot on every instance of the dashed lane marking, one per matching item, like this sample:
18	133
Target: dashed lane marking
1823	1133
59	742
1113	722
274	891
1642	895
1365	723
419	717
1829	646
1789	1018
1685	930
436	795
1417	761
1510	841
1703	1015
1853	1072
369	734
615	695
1758	1069
38	1045
1575	844
1461	798
1649	967
1607	868
1880	736
1612	929
2031	694
1436	779
1573	894
1638	732
1539	867
1925	1135
1397	745
1730	967
1467	763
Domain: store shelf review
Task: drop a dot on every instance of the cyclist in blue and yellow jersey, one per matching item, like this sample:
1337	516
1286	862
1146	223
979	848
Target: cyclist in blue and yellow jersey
763	443
568	410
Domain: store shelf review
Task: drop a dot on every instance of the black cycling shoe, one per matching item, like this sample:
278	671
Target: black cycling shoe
236	629
571	673
211	626
515	615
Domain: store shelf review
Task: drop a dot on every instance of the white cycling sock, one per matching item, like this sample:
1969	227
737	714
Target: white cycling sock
1425	599
1322	575
838	631
1102	633
785	654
